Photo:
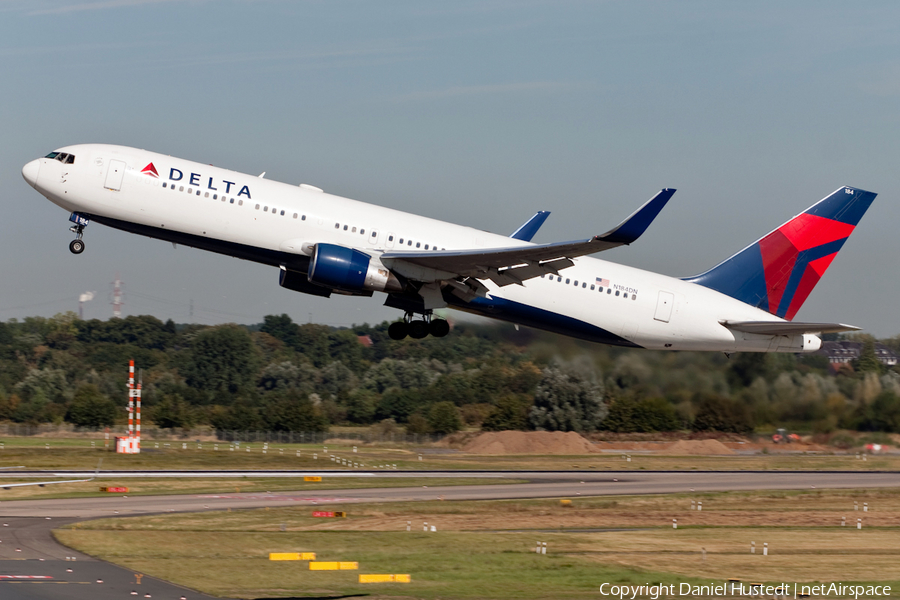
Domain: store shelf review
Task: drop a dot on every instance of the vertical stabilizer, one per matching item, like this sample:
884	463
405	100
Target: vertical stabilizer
777	272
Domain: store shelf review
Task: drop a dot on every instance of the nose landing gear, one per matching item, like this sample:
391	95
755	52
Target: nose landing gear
418	329
76	246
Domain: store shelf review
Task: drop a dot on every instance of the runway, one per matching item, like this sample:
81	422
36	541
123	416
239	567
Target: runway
27	547
541	484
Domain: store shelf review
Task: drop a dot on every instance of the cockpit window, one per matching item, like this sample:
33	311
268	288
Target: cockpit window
68	159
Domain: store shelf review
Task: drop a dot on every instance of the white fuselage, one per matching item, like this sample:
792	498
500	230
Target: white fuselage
234	211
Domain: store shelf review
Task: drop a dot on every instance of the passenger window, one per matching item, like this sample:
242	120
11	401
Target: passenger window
180	188
345	227
198	192
576	283
634	296
592	287
223	200
362	232
164	184
206	195
584	285
609	290
303	218
617	292
374	234
418	244
558	279
353	230
215	196
337	225
401	240
282	213
240	202
568	281
265	209
426	246
190	191
409	243
295	215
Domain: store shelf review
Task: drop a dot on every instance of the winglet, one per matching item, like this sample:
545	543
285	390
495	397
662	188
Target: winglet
634	226
531	226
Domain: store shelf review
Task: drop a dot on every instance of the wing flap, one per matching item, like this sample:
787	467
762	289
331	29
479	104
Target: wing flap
786	327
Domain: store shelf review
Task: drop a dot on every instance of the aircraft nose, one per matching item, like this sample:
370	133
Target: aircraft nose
30	172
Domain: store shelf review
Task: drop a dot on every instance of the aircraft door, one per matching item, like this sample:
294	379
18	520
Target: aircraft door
114	175
664	306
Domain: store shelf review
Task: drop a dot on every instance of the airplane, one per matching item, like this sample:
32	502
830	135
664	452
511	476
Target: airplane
324	244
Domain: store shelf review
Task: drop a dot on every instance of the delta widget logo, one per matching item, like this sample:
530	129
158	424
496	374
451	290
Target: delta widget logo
150	170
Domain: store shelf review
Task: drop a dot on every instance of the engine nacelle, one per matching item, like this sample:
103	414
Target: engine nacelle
292	280
350	270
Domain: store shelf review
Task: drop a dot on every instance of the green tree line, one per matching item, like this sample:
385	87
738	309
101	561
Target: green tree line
282	376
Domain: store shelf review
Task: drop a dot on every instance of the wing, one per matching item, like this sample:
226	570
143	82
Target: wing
786	327
505	266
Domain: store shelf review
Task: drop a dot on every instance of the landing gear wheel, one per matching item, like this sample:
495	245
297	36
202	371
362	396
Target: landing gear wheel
76	246
439	327
398	330
418	329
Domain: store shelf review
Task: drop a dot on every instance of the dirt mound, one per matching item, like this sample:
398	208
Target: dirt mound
529	442
700	447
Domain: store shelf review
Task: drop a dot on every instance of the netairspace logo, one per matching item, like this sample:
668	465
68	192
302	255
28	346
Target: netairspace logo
734	589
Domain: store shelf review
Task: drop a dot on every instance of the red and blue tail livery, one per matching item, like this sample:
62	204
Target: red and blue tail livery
777	272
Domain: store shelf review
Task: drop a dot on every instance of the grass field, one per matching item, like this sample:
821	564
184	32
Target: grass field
486	549
78	454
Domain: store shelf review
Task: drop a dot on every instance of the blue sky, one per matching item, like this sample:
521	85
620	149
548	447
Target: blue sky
478	113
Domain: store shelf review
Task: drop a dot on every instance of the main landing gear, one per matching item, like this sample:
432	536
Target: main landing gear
418	329
76	246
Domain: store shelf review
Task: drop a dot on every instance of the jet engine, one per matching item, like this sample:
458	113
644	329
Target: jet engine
350	270
298	282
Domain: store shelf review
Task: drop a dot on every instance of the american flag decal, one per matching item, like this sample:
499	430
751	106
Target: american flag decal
603	282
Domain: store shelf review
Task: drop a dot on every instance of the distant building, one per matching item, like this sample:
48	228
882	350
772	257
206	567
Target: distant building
843	352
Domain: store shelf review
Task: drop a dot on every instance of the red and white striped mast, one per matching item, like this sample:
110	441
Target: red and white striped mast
137	443
130	433
133	443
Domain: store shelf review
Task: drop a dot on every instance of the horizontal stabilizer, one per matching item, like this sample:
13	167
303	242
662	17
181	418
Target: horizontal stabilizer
531	226
786	327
